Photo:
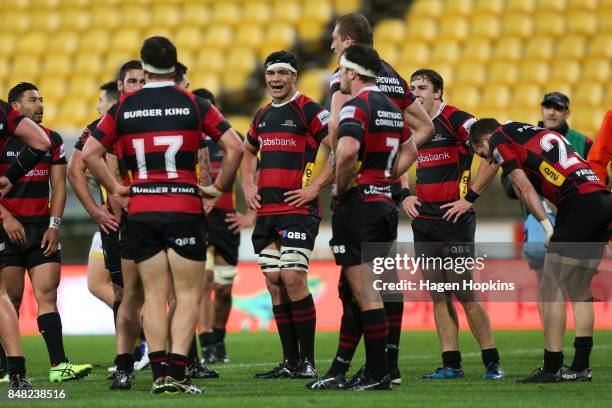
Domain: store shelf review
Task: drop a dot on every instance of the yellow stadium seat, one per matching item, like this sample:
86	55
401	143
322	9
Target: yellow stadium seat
588	94
16	4
407	69
65	42
608	100
57	65
208	80
312	83
240	123
389	52
15	22
485	26
453	28
601	46
249	35
342	7
196	14
554	86
461	8
465	97
287	12
226	13
46	20
517	25
166	15
45	4
188	37
26	65
241	59
219	35
82	85
552	5
534	72
389	31
158	31
127	39
425	8
571	47
586	120
604	21
565	72
548	23
76	19
415	53
113	61
508	49
87	63
597	70
422	29
186	58
256	12
445	51
317	10
211	60
520	6
489	7
539	48
503	73
282	35
51	108
470	73
73	114
52	88
138	16
445	70
33	42
522	114
104	17
605	5
583	23
310	30
9	43
495	97
575	5
234	81
478	49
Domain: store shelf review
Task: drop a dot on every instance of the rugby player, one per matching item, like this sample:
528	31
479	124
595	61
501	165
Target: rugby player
537	162
370	154
15	125
30	234
351	29
224	225
287	133
442	213
157	131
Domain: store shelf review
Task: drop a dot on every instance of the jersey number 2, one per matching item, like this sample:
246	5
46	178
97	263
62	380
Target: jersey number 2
174	143
546	144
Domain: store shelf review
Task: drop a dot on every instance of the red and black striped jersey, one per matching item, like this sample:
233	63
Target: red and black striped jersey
28	200
377	123
552	165
287	136
9	119
85	133
444	162
157	131
388	80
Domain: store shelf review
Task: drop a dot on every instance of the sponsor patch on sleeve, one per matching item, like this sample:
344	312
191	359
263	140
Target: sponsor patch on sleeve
335	79
468	124
348	112
323	117
497	156
62	151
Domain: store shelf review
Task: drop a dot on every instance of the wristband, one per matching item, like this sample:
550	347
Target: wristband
214	190
25	161
547	225
55	222
404	193
471	196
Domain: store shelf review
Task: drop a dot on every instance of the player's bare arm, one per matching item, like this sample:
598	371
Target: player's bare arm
531	199
231	144
338	100
12	227
248	167
346	160
419	122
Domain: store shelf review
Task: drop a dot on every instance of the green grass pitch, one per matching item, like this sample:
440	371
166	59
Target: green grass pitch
521	351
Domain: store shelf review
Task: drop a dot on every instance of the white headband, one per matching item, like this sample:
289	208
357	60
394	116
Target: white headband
356	67
154	70
282	65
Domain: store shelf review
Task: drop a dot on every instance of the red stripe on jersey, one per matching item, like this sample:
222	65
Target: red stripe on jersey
175	203
156	176
438	192
27	207
281	178
226	202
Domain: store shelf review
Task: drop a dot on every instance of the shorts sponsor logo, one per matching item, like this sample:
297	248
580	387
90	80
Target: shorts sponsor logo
338	249
292	235
551	175
184	241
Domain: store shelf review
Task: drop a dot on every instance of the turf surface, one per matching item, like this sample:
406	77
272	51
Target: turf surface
521	351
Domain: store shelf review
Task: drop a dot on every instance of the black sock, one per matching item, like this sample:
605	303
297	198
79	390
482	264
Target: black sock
282	315
489	356
350	333
451	359
375	332
115	311
394	311
193	350
159	362
15	365
125	362
50	326
553	361
218	335
205	339
304	316
583	346
2	359
176	366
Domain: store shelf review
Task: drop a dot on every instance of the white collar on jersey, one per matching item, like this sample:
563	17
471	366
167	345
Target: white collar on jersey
373	88
159	84
293	98
440	109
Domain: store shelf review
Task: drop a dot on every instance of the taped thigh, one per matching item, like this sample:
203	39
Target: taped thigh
269	260
295	258
224	274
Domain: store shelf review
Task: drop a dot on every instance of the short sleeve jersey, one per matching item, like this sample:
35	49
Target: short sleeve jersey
156	132
287	136
9	119
555	169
